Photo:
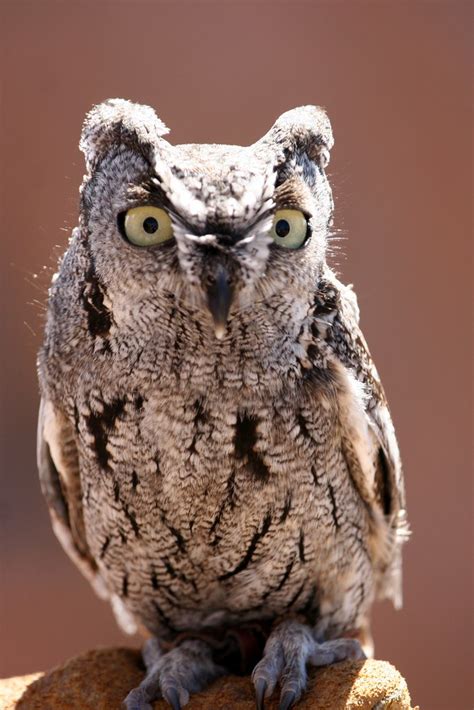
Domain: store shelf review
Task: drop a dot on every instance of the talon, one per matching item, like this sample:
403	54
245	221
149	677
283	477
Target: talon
287	700
171	696
260	688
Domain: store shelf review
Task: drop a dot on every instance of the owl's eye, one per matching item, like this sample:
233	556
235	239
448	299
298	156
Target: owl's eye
290	229
147	226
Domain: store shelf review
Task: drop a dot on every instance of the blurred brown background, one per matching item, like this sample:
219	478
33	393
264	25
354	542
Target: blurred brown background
394	77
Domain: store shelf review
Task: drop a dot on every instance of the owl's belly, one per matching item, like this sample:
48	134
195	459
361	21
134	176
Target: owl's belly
208	514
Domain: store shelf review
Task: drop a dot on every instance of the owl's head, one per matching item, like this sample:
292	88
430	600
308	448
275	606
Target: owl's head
217	227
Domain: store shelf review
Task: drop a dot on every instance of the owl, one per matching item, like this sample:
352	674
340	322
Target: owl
214	443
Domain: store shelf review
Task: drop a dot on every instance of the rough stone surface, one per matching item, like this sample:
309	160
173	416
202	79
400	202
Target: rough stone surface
99	680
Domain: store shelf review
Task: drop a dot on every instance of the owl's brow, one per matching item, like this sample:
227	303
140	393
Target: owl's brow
222	227
150	192
293	193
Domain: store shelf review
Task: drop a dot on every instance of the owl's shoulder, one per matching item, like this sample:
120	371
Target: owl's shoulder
336	326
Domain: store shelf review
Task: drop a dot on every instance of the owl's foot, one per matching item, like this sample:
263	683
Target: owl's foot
290	648
185	669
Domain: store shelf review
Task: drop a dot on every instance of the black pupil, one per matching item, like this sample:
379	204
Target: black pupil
150	225
282	228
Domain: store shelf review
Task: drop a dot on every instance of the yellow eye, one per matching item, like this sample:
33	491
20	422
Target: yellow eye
289	229
146	226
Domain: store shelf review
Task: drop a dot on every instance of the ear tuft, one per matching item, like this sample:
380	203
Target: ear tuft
119	122
306	129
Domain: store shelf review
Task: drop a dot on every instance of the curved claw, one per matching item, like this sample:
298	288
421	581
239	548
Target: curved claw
172	698
260	688
287	700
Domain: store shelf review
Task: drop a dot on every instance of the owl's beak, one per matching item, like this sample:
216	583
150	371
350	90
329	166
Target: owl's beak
219	300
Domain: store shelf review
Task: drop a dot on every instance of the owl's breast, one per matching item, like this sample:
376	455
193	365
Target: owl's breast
207	508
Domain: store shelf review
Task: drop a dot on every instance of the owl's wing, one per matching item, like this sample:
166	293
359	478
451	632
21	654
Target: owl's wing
58	466
370	447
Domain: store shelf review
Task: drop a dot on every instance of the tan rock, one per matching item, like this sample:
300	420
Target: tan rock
99	680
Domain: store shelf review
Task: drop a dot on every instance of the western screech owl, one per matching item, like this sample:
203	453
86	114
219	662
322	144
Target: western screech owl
215	445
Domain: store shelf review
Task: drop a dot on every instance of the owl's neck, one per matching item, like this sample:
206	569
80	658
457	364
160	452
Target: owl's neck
261	351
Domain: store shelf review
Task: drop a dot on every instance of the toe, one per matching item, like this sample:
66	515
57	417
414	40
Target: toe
294	678
171	695
265	676
267	672
287	700
260	688
136	700
342	649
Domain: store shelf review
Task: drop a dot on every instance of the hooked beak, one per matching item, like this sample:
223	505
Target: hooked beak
219	300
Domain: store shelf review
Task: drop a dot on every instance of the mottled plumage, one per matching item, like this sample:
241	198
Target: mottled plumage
208	466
